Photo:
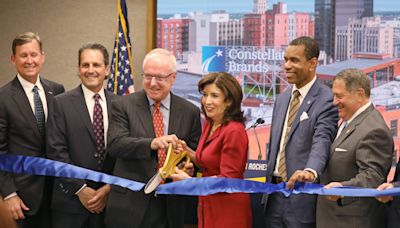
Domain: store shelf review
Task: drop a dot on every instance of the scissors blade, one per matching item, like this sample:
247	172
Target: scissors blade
153	183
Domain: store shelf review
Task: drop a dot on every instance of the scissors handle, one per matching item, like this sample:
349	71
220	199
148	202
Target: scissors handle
172	161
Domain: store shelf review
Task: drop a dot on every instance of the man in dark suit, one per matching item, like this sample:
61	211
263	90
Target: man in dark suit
24	107
138	151
393	203
76	135
360	156
303	127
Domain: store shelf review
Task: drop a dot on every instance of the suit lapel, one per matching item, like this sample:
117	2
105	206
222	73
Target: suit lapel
348	130
144	114
175	115
78	101
48	92
280	113
24	106
109	99
305	105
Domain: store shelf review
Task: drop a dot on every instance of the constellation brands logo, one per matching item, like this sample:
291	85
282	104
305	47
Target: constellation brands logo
213	59
239	59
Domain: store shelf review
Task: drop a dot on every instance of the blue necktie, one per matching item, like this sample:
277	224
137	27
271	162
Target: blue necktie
39	112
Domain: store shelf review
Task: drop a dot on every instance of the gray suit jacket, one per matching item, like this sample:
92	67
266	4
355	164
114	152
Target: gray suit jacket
394	206
71	140
309	141
129	138
360	156
19	135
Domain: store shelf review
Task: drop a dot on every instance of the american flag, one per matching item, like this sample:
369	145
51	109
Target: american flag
121	77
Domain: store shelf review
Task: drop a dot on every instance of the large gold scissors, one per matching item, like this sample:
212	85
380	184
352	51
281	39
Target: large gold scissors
168	168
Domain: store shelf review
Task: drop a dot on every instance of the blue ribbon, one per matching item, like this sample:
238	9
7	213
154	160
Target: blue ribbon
193	186
46	167
211	185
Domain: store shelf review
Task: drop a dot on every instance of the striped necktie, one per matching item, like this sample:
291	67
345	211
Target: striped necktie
293	108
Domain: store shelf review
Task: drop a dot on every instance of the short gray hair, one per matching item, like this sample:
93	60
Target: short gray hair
354	79
155	53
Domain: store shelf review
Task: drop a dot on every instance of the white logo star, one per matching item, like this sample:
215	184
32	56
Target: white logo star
219	53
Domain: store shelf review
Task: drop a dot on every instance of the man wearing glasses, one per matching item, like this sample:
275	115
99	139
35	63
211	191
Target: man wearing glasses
141	127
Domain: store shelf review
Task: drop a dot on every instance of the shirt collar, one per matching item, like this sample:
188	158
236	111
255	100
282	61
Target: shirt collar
358	112
166	103
28	86
87	93
306	88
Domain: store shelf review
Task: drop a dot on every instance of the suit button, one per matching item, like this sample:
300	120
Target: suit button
96	155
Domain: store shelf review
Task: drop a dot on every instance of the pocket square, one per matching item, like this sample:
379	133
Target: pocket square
304	116
340	149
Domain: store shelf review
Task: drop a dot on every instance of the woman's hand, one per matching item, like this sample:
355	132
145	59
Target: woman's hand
180	174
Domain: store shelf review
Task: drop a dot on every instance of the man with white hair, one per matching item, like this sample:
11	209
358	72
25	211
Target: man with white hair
141	127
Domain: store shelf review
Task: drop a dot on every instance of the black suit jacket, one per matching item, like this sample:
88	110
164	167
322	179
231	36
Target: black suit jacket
19	135
130	135
71	140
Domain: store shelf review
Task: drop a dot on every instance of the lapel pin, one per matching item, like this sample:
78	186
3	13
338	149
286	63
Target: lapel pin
308	102
50	92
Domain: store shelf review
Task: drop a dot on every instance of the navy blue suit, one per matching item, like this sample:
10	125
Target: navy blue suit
307	146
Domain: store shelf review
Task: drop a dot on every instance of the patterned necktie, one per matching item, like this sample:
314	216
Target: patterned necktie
159	130
293	108
39	112
98	128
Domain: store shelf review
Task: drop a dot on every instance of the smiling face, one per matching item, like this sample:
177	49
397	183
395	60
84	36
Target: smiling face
28	60
299	70
158	79
92	69
347	102
214	103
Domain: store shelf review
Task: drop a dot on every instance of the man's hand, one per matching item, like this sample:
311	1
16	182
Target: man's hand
300	176
384	199
15	206
332	185
163	142
99	200
85	195
189	151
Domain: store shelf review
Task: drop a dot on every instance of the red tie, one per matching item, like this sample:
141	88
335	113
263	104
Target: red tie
98	128
159	130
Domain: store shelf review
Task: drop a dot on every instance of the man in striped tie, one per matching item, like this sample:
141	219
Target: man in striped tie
303	127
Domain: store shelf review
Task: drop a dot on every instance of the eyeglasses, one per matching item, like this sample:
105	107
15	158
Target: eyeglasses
158	78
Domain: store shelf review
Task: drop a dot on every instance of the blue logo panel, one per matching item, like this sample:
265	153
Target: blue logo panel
213	59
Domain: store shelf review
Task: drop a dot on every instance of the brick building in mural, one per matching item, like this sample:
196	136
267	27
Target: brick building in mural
173	34
276	27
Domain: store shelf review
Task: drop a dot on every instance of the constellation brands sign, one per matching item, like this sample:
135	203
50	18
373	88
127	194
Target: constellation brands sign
239	59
